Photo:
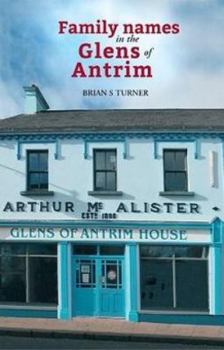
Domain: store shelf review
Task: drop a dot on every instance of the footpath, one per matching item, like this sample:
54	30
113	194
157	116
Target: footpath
112	329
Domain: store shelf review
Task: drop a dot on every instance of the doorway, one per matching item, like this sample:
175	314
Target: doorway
98	281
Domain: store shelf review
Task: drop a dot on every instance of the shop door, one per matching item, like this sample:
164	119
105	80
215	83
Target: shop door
111	290
85	286
99	286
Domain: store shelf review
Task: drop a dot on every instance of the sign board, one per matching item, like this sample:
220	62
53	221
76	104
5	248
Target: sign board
86	234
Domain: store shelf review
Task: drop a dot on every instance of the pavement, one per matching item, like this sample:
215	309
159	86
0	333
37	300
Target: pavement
112	329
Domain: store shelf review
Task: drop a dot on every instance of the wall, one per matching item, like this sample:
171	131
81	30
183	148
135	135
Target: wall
140	178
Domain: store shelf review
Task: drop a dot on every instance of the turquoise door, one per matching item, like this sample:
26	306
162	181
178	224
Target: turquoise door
85	286
98	286
111	287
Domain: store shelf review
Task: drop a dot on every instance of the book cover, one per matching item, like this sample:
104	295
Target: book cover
112	186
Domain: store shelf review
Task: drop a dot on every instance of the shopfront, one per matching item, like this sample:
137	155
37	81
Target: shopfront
130	272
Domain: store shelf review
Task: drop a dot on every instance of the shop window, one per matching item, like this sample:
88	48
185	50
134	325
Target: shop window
37	170
36	249
12	278
28	273
156	284
174	278
105	170
191	290
42	272
175	170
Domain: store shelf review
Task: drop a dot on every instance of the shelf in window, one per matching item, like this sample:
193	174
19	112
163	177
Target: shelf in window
105	193
176	193
37	193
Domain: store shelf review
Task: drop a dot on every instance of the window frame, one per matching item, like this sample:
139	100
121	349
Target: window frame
28	172
176	150
95	171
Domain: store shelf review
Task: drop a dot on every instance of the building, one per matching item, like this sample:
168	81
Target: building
112	213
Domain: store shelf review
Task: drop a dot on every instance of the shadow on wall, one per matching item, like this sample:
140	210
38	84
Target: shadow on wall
12	169
7	144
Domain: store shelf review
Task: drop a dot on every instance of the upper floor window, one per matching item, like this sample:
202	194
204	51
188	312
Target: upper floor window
105	170
37	170
175	170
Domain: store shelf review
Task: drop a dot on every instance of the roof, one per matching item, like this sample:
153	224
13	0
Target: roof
116	120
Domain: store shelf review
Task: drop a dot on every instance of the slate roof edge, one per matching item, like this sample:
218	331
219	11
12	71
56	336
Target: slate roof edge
120	131
127	109
49	111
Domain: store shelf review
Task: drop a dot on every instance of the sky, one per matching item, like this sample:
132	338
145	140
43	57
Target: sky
188	68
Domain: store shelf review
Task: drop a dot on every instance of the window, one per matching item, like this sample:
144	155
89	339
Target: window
175	170
174	278
28	273
105	170
37	170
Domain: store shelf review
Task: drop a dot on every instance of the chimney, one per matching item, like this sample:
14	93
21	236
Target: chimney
34	100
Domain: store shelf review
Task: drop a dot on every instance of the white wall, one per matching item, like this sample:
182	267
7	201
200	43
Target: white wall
140	178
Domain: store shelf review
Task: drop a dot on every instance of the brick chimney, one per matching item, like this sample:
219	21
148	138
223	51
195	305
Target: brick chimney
34	100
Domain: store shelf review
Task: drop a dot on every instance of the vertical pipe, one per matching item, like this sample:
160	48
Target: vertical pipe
217	280
131	293
174	282
64	281
211	160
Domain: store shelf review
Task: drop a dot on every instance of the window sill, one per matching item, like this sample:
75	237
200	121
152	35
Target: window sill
25	306
176	193
37	193
105	193
174	312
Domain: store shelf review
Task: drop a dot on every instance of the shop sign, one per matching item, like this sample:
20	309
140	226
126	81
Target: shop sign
99	210
106	234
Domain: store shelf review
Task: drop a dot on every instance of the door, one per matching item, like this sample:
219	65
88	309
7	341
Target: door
111	287
84	279
99	286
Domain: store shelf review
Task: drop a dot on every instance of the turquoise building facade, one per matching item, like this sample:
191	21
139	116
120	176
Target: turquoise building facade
112	213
